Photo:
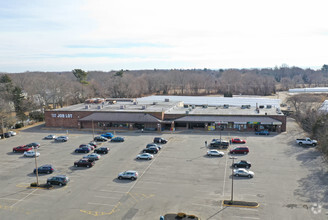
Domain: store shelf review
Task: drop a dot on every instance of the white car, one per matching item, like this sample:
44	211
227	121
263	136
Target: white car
62	138
12	133
31	153
145	156
215	153
50	137
92	156
243	172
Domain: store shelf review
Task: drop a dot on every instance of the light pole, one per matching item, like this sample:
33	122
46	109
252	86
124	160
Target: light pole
36	167
93	130
233	161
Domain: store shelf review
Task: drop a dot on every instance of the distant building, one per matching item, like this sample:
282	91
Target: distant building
172	113
309	90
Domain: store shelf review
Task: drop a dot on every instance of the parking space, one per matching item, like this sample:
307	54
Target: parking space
180	178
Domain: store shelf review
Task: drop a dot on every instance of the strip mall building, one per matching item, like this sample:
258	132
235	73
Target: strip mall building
172	113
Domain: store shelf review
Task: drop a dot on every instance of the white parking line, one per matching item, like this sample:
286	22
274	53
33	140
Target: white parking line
246	217
9	199
104	190
24	197
144	172
91	203
225	175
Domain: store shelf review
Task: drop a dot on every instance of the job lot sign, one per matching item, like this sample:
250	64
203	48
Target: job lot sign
62	115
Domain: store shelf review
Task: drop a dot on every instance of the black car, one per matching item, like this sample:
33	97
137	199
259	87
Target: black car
7	135
45	169
217	143
160	140
34	144
100	139
58	180
151	150
101	150
82	150
242	164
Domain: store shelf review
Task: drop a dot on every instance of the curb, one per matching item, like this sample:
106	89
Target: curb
241	204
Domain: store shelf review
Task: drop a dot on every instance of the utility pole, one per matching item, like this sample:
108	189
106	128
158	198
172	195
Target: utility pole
36	168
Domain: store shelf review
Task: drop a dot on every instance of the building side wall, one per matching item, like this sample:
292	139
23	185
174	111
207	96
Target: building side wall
67	119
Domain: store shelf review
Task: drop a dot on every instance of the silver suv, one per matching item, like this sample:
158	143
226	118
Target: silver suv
130	174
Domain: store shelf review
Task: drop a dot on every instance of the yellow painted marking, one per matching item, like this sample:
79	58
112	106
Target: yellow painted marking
132	196
95	213
23	185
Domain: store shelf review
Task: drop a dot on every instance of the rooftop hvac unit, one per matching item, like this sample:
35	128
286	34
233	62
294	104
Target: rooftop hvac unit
135	103
268	106
225	106
99	107
193	106
143	107
86	107
187	112
154	103
122	107
167	100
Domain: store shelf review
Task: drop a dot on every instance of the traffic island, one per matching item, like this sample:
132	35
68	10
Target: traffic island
244	204
41	186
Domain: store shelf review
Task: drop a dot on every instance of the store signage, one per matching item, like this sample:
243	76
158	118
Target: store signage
62	115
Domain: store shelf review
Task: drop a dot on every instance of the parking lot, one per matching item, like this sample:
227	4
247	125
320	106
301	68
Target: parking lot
290	182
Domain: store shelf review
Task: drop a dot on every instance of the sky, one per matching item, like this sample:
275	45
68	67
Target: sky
105	35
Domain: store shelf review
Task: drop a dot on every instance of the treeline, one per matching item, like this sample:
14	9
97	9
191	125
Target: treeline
46	90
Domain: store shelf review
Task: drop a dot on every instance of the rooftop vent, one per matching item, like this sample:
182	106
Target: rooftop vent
143	107
86	107
122	107
269	106
261	106
225	106
187	112
154	103
167	100
135	103
99	107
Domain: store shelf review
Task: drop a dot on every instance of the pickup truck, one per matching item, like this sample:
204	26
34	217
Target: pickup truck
306	141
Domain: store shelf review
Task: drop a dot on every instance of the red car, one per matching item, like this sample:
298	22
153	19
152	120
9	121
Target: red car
238	141
22	148
84	163
239	150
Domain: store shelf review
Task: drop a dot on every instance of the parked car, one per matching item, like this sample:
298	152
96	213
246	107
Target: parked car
45	169
107	135
239	150
219	143
12	133
87	145
92	156
306	141
117	139
6	135
160	140
238	141
101	150
151	150
243	172
263	132
60	180
84	163
83	150
21	148
33	145
31	153
100	139
50	137
61	138
145	156
93	143
242	164
130	174
215	153
154	145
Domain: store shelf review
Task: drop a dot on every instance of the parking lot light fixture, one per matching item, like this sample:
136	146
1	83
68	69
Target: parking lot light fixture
36	167
233	161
